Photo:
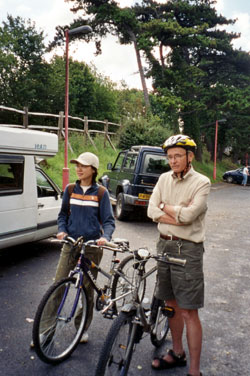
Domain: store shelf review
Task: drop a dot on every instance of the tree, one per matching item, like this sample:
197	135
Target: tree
106	17
27	79
23	70
195	59
90	94
191	51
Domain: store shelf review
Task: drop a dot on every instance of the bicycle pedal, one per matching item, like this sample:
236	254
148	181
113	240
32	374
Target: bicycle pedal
109	315
168	311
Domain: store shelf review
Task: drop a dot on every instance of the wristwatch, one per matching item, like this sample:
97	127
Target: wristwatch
162	206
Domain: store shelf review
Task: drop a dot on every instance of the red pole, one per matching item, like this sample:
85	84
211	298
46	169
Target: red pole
66	169
215	149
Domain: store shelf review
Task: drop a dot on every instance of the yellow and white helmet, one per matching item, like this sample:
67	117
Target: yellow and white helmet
179	140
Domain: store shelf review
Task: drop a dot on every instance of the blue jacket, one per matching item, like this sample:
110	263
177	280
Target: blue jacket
86	217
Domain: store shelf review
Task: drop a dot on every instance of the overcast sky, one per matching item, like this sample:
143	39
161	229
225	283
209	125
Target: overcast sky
117	62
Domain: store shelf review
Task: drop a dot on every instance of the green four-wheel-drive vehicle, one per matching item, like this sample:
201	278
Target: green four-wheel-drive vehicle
130	181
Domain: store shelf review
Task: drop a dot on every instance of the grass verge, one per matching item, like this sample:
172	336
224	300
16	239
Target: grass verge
53	166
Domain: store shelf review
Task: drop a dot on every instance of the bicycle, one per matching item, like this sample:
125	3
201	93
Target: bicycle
62	313
133	321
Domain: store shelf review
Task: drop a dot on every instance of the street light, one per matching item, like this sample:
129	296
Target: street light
215	144
78	30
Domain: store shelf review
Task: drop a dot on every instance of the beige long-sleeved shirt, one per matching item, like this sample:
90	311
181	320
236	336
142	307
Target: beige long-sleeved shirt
189	198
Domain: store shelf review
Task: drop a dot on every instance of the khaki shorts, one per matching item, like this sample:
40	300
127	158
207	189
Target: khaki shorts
184	284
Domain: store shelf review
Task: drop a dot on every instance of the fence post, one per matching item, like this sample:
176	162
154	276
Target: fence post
60	124
25	117
106	129
86	129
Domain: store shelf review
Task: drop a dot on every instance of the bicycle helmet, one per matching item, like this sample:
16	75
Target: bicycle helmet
179	140
185	142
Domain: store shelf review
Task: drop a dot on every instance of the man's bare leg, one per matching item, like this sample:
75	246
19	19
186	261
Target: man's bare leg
176	324
194	339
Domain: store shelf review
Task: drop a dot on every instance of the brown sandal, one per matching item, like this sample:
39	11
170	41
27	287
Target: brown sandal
178	361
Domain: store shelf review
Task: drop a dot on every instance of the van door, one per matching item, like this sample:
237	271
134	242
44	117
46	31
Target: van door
17	200
48	204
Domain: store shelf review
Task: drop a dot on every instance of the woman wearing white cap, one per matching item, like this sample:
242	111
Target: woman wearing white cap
87	212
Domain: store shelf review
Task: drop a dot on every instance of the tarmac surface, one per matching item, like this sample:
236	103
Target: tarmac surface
26	273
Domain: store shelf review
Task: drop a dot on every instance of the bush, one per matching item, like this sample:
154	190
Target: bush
143	131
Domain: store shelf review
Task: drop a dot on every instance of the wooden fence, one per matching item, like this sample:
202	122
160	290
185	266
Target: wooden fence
59	129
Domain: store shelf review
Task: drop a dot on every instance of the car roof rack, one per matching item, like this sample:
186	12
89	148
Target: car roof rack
138	147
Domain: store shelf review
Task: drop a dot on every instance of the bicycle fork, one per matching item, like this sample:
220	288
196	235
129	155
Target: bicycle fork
72	313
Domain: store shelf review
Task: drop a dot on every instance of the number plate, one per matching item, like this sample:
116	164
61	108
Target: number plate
144	196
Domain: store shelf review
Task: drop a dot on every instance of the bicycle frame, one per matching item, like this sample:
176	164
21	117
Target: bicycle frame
135	304
83	270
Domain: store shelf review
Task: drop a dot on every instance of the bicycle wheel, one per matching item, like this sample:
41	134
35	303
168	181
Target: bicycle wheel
159	320
128	268
60	321
117	350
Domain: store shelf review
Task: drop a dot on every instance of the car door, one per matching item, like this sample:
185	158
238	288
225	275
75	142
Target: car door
248	178
114	174
48	203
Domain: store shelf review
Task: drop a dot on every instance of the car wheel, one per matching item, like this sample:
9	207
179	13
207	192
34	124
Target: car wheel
229	179
120	211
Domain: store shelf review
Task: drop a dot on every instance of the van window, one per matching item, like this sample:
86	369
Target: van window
44	188
11	175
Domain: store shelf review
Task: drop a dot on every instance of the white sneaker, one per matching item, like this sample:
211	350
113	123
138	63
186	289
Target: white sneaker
85	337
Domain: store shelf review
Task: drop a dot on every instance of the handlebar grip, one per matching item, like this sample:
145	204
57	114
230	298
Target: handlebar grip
66	239
111	245
176	261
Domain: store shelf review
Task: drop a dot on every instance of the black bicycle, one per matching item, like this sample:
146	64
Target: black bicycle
134	320
62	313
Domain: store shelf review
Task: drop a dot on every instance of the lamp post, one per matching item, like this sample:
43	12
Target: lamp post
78	30
215	144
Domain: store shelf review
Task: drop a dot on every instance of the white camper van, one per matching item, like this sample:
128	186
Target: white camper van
29	199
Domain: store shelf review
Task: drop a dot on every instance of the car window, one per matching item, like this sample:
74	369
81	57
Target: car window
11	175
118	163
130	162
155	164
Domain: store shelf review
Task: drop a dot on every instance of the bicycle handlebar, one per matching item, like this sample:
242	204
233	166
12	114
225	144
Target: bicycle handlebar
121	245
143	254
118	244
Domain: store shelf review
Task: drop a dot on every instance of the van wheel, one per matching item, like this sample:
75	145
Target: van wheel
120	212
229	179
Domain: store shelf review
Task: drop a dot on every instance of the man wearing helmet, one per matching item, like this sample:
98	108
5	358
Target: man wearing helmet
179	204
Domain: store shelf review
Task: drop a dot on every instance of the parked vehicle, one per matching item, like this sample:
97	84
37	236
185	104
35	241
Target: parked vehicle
130	181
29	199
236	176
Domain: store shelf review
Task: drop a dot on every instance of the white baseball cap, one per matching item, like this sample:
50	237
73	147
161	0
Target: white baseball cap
87	159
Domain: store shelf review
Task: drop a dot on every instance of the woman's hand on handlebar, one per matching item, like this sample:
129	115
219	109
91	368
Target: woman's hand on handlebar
61	235
101	241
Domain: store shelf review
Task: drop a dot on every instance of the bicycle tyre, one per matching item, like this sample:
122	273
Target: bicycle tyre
120	286
159	332
117	350
56	337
